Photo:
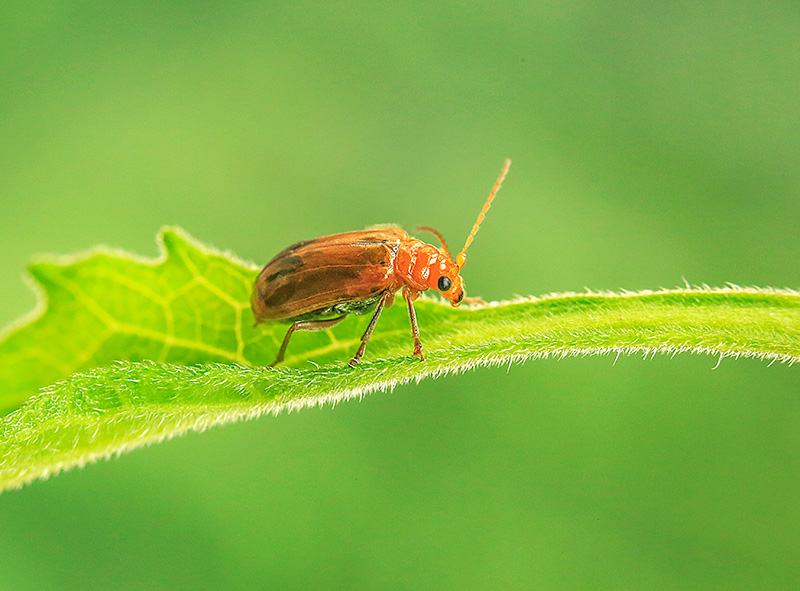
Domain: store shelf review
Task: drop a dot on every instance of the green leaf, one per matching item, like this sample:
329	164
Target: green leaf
131	351
191	305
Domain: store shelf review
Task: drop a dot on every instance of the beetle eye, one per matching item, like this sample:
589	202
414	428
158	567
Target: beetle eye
444	283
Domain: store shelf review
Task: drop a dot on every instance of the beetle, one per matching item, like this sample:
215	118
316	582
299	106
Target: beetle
316	283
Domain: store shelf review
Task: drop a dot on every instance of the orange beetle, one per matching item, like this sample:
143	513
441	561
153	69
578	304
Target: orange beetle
315	284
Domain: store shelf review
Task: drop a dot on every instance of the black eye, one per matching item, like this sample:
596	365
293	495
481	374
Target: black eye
444	283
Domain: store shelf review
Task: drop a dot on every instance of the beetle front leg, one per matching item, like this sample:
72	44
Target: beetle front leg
474	301
310	325
409	295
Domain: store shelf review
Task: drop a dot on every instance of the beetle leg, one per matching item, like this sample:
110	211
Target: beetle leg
310	325
388	296
475	301
409	295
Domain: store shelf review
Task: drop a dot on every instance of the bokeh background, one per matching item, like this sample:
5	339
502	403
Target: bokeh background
653	143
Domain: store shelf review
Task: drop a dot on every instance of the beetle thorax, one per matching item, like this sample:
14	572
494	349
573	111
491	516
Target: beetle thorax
417	263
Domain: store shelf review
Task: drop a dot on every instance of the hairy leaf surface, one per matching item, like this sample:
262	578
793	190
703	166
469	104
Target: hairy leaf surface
124	352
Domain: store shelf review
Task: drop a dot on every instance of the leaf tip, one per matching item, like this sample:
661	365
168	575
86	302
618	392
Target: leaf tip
171	238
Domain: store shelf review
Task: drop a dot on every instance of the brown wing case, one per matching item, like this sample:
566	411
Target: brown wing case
316	274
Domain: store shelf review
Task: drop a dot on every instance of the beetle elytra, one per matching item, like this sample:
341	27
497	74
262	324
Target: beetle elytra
315	284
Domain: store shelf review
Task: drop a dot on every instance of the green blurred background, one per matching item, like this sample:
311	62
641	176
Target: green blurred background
652	142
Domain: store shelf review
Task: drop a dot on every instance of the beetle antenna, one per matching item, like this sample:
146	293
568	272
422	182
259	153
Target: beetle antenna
462	256
439	236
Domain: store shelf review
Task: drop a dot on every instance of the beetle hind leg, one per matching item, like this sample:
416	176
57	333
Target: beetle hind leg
310	325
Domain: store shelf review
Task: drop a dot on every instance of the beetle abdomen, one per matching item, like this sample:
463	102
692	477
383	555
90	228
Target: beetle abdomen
352	307
343	273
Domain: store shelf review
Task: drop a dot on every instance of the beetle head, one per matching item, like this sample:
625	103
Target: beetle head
448	281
